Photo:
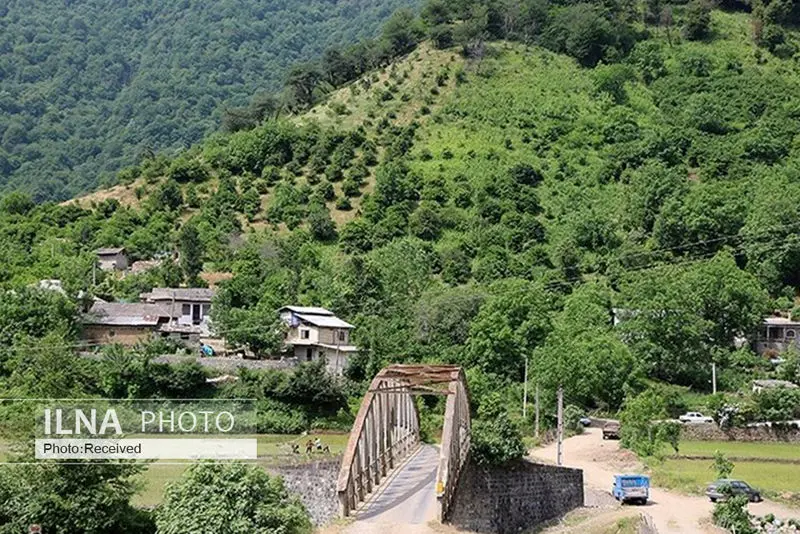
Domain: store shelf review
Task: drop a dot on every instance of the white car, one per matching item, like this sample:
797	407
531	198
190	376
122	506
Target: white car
695	417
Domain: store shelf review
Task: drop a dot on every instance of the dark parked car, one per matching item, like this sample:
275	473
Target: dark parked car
716	491
611	430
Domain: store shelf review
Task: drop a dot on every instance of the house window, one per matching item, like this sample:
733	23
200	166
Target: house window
186	309
342	336
790	334
206	309
111	333
304	334
184	335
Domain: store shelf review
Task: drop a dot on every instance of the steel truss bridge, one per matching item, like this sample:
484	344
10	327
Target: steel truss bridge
387	431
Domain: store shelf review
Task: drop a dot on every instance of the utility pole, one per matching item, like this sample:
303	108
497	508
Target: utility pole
537	410
525	392
714	377
560	430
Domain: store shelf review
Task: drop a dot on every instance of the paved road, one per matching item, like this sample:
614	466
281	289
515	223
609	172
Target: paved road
406	503
671	512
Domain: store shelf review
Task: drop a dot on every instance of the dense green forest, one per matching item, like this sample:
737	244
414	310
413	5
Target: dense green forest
91	86
517	177
488	202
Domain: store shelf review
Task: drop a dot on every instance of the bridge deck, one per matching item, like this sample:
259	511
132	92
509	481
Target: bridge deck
407	497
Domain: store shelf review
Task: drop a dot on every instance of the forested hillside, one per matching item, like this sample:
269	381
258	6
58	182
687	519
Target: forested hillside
609	191
91	86
490	202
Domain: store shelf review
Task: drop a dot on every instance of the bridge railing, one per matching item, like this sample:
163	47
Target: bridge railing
456	436
386	430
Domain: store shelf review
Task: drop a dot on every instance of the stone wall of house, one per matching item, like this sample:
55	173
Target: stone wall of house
315	484
500	500
711	432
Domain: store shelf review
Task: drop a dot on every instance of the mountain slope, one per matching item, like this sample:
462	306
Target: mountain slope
484	210
88	87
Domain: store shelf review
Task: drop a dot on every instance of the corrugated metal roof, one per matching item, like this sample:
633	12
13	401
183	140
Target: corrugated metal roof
196	294
126	314
324	321
780	321
308	310
340	348
109	250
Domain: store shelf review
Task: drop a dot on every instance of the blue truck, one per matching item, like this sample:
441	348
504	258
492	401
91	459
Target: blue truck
631	488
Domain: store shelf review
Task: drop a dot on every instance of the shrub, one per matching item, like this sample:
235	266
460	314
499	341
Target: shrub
697	25
230	497
496	441
185	169
343	204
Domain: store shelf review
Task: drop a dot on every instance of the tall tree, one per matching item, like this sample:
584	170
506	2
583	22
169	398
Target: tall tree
191	251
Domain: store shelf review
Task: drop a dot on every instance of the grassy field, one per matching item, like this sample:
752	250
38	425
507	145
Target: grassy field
790	451
693	475
273	449
777	480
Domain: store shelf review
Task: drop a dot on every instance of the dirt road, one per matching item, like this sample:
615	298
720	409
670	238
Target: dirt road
671	512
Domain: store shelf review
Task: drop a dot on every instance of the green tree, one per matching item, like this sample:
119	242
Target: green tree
320	222
191	251
230	498
722	467
514	319
258	328
640	429
82	498
251	203
496	441
401	32
697	25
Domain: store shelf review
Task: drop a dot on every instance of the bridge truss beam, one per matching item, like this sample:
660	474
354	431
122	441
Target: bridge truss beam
386	431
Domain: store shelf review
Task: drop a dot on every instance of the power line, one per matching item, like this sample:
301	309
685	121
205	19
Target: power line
551	285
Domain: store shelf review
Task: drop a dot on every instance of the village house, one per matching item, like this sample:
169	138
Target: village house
181	314
112	259
316	333
188	307
761	385
123	322
776	335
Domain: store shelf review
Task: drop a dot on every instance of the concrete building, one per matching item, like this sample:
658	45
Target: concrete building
761	385
316	333
181	314
188	307
776	335
112	259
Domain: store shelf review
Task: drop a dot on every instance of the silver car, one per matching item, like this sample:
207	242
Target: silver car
716	491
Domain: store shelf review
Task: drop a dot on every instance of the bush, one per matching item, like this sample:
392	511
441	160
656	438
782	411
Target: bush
496	441
343	204
697	25
230	497
187	170
732	514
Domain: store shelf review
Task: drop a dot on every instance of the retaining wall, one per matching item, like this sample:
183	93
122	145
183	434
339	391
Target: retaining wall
510	499
711	432
315	484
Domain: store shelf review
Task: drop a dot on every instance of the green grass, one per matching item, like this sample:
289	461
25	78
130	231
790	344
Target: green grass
692	476
775	480
789	451
273	449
